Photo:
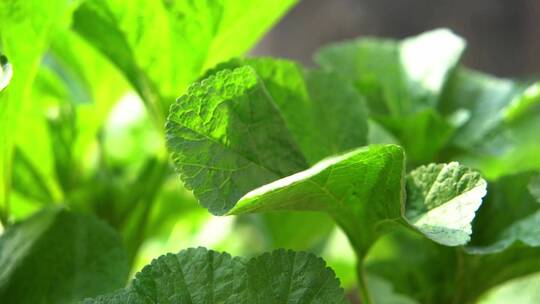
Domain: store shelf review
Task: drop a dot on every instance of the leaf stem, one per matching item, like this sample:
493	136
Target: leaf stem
365	294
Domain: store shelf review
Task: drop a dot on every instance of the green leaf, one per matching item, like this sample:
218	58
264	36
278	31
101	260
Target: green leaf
498	134
6	72
404	76
322	111
24	35
402	82
507	201
504	246
192	35
523	290
205	276
362	190
383	292
59	257
442	200
482	98
513	255
256	129
231	141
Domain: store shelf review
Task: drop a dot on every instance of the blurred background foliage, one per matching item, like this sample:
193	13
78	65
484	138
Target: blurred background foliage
89	134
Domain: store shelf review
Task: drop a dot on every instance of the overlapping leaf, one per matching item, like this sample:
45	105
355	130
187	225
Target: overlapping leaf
59	257
192	36
498	135
25	31
205	276
236	142
504	246
402	82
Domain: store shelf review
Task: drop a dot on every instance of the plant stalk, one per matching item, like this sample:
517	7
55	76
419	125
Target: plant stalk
365	294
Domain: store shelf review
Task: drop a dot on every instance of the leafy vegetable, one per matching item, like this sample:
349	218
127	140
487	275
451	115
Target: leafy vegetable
362	189
390	140
205	276
59	257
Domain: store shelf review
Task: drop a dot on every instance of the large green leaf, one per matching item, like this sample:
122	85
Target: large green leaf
402	82
192	36
256	118
205	276
323	103
24	35
59	257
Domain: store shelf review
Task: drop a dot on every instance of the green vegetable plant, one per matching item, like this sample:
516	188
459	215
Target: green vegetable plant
428	169
260	135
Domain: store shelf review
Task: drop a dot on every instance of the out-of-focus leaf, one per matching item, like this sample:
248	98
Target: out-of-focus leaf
513	255
427	275
205	276
507	201
56	256
297	231
383	292
24	35
191	37
523	290
482	98
534	187
402	82
499	136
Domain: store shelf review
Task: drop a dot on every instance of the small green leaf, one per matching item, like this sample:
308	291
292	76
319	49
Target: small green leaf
59	257
205	276
442	200
504	246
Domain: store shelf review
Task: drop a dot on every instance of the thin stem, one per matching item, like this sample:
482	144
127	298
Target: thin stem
365	294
